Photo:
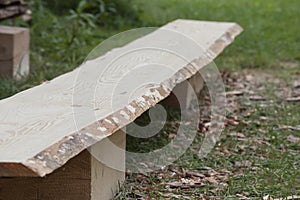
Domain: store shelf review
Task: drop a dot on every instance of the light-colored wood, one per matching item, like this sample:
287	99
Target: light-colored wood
43	127
184	93
14	51
108	166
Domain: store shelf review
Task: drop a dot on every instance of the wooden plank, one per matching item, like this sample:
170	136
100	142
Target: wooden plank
43	127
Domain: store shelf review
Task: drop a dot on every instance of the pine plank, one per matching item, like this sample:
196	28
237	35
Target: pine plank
45	126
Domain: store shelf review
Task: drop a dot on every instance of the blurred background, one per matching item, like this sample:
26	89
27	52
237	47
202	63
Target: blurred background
64	32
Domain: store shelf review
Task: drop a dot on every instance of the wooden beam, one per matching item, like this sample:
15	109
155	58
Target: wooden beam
14	51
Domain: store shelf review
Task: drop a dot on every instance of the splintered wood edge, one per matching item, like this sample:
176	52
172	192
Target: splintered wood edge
68	147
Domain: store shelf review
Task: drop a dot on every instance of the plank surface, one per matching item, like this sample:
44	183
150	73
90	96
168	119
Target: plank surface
43	127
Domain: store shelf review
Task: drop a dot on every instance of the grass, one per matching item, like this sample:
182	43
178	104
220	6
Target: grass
259	161
271	27
264	161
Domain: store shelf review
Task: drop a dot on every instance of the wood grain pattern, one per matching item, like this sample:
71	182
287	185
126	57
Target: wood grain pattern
43	127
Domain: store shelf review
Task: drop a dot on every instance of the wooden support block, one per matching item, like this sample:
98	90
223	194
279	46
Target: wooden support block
14	51
81	178
107	177
71	180
184	93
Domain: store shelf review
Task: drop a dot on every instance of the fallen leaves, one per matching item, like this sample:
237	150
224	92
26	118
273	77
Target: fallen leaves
170	196
179	182
194	173
185	183
249	140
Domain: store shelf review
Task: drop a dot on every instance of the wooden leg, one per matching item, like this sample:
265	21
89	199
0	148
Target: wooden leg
81	178
184	93
108	165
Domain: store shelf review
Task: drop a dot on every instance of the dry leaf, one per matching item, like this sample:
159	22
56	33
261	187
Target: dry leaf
194	173
296	84
294	128
263	118
234	92
289	198
186	183
234	134
211	180
174	184
257	98
244	163
293	99
232	122
172	195
172	135
293	139
241	196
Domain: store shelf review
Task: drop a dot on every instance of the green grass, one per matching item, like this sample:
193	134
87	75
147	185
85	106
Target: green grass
59	44
271	28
